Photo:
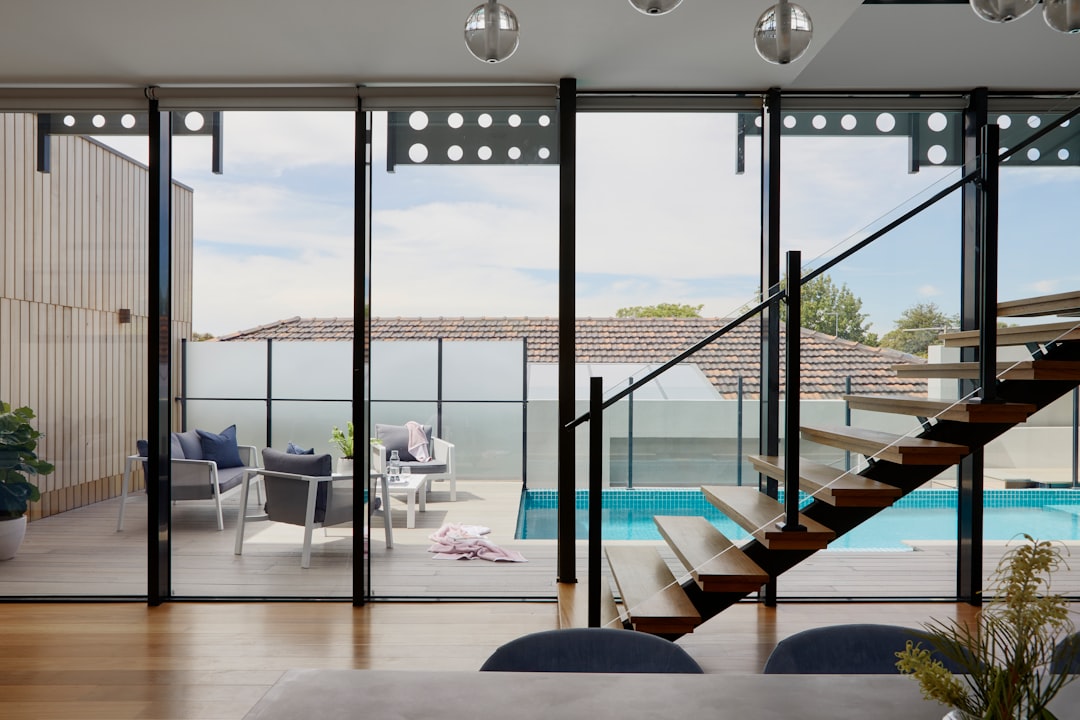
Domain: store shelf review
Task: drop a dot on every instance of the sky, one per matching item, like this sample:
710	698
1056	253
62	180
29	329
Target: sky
661	217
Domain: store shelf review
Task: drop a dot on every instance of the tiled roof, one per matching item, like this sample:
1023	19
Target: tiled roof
827	361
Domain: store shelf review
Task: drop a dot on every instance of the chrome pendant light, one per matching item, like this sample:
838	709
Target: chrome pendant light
491	32
783	33
1062	15
1001	11
655	7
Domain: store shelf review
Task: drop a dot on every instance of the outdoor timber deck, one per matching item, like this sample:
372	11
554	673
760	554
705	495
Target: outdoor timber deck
79	553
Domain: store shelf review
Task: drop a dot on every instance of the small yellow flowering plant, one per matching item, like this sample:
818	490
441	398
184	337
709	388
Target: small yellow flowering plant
1008	653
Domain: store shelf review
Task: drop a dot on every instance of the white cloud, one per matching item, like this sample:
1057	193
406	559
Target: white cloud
928	291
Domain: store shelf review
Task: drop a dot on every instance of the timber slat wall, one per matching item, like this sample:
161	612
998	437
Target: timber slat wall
73	252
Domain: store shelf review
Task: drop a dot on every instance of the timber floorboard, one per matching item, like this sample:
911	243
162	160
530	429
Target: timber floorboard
199	661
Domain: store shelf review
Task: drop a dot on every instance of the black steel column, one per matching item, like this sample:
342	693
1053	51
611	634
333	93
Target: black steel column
988	262
769	400
269	392
566	571
159	360
361	411
792	330
596	494
970	479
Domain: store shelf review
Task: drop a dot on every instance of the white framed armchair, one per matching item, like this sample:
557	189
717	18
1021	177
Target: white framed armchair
439	467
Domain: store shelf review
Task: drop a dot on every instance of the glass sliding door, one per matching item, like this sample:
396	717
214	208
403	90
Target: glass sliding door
266	365
73	329
463	302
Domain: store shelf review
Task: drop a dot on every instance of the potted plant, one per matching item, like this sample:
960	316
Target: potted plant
344	443
18	441
1008	653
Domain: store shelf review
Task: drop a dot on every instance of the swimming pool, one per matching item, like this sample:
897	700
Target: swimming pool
921	515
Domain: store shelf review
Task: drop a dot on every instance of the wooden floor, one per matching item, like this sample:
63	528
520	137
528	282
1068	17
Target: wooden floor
213	661
198	661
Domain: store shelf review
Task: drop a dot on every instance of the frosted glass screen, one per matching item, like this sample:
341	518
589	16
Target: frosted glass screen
308	424
404	370
388	413
249	416
312	370
226	370
487	439
483	370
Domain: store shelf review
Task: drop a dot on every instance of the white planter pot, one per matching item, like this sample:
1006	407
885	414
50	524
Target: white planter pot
11	536
345	466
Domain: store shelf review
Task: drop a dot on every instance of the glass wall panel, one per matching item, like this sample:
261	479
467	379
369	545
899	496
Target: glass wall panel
73	344
464	251
273	251
845	176
1031	477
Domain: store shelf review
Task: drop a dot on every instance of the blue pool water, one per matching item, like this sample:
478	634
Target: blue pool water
921	515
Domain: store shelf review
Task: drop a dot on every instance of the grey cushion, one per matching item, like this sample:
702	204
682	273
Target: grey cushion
294	449
190	444
856	648
221	447
603	650
286	500
396	437
425	468
175	448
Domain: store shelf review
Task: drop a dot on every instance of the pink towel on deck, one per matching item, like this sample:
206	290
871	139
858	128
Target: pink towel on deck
463	542
417	441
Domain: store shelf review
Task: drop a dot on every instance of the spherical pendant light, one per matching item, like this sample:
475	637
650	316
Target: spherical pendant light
1001	11
655	7
491	32
783	33
1062	15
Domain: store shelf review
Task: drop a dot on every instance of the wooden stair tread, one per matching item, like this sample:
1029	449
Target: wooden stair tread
713	560
965	411
651	598
886	446
1022	335
834	486
1067	303
574	605
1023	370
758	513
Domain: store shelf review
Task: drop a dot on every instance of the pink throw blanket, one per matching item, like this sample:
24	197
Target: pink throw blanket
464	542
417	441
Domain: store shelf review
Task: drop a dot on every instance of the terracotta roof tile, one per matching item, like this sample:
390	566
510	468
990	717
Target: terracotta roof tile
827	361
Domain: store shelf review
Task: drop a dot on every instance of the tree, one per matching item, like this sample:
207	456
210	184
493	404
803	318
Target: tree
918	328
199	337
832	310
663	310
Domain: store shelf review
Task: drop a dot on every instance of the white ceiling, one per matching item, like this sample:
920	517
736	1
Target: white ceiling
605	44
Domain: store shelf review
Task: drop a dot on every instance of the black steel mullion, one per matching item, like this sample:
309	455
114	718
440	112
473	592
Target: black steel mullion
159	350
970	473
596	494
360	411
988	262
793	347
524	412
769	397
269	392
566	571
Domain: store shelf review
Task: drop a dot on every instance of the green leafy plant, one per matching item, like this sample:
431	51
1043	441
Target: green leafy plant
18	461
1007	654
343	440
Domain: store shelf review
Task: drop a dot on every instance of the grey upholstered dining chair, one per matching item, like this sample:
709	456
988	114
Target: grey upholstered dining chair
855	649
599	650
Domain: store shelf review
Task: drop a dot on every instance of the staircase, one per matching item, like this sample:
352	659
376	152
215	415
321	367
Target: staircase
723	573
